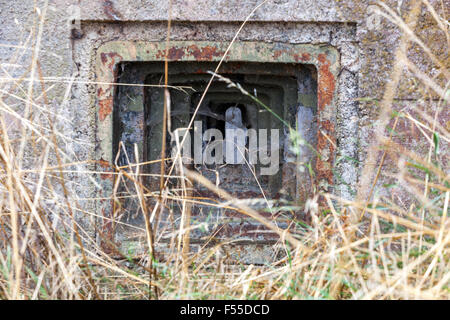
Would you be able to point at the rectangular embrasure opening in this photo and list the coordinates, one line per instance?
(272, 114)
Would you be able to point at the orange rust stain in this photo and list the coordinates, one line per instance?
(327, 85)
(106, 167)
(100, 92)
(103, 163)
(328, 126)
(110, 59)
(107, 232)
(104, 58)
(324, 172)
(105, 108)
(107, 223)
(297, 57)
(204, 53)
(322, 142)
(278, 53)
(327, 82)
(324, 167)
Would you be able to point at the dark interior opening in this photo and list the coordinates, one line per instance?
(138, 110)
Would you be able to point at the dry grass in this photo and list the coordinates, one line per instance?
(391, 242)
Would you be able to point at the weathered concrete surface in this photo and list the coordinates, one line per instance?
(366, 56)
